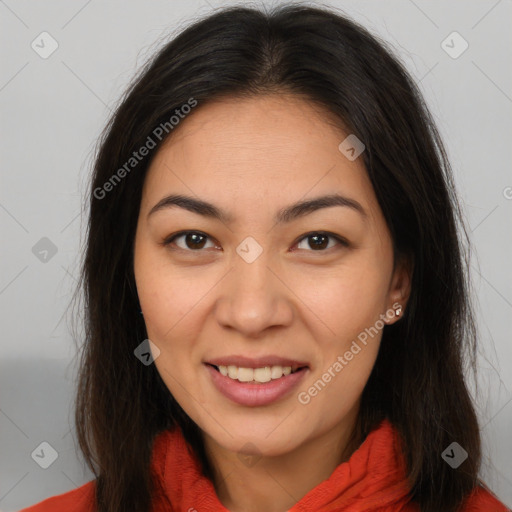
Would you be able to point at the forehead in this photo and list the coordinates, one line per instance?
(250, 151)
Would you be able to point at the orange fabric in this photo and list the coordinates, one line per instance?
(371, 480)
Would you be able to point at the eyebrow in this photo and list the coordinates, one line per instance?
(285, 215)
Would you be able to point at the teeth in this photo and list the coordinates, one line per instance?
(232, 372)
(265, 374)
(276, 372)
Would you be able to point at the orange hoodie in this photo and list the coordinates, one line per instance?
(372, 480)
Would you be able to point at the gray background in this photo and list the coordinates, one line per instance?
(52, 111)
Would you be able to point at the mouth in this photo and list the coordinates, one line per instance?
(257, 386)
(259, 374)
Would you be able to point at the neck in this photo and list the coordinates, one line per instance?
(276, 483)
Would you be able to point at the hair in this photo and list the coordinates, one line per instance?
(325, 58)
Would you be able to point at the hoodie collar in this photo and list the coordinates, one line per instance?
(372, 479)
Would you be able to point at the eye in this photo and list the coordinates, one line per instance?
(193, 240)
(318, 240)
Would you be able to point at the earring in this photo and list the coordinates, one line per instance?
(398, 311)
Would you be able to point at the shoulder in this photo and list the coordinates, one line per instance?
(81, 499)
(482, 500)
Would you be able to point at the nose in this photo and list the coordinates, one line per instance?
(253, 298)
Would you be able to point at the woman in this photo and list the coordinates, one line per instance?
(277, 307)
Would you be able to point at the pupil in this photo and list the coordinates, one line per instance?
(318, 245)
(195, 237)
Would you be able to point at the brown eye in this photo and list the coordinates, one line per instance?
(192, 240)
(319, 241)
(195, 241)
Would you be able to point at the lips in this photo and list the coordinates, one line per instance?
(255, 394)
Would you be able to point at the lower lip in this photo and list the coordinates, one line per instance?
(255, 394)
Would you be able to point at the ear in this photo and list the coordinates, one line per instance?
(400, 289)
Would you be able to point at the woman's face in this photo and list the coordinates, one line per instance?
(259, 278)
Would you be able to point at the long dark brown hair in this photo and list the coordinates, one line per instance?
(418, 379)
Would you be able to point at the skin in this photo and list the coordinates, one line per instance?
(252, 157)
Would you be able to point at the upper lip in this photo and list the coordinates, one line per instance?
(256, 362)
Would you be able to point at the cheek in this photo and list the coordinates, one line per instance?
(345, 362)
(169, 296)
(345, 300)
(171, 314)
(335, 391)
(172, 309)
(347, 304)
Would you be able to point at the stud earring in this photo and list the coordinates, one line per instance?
(398, 311)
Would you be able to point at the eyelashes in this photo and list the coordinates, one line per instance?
(312, 239)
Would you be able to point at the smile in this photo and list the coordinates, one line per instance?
(254, 387)
(263, 374)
